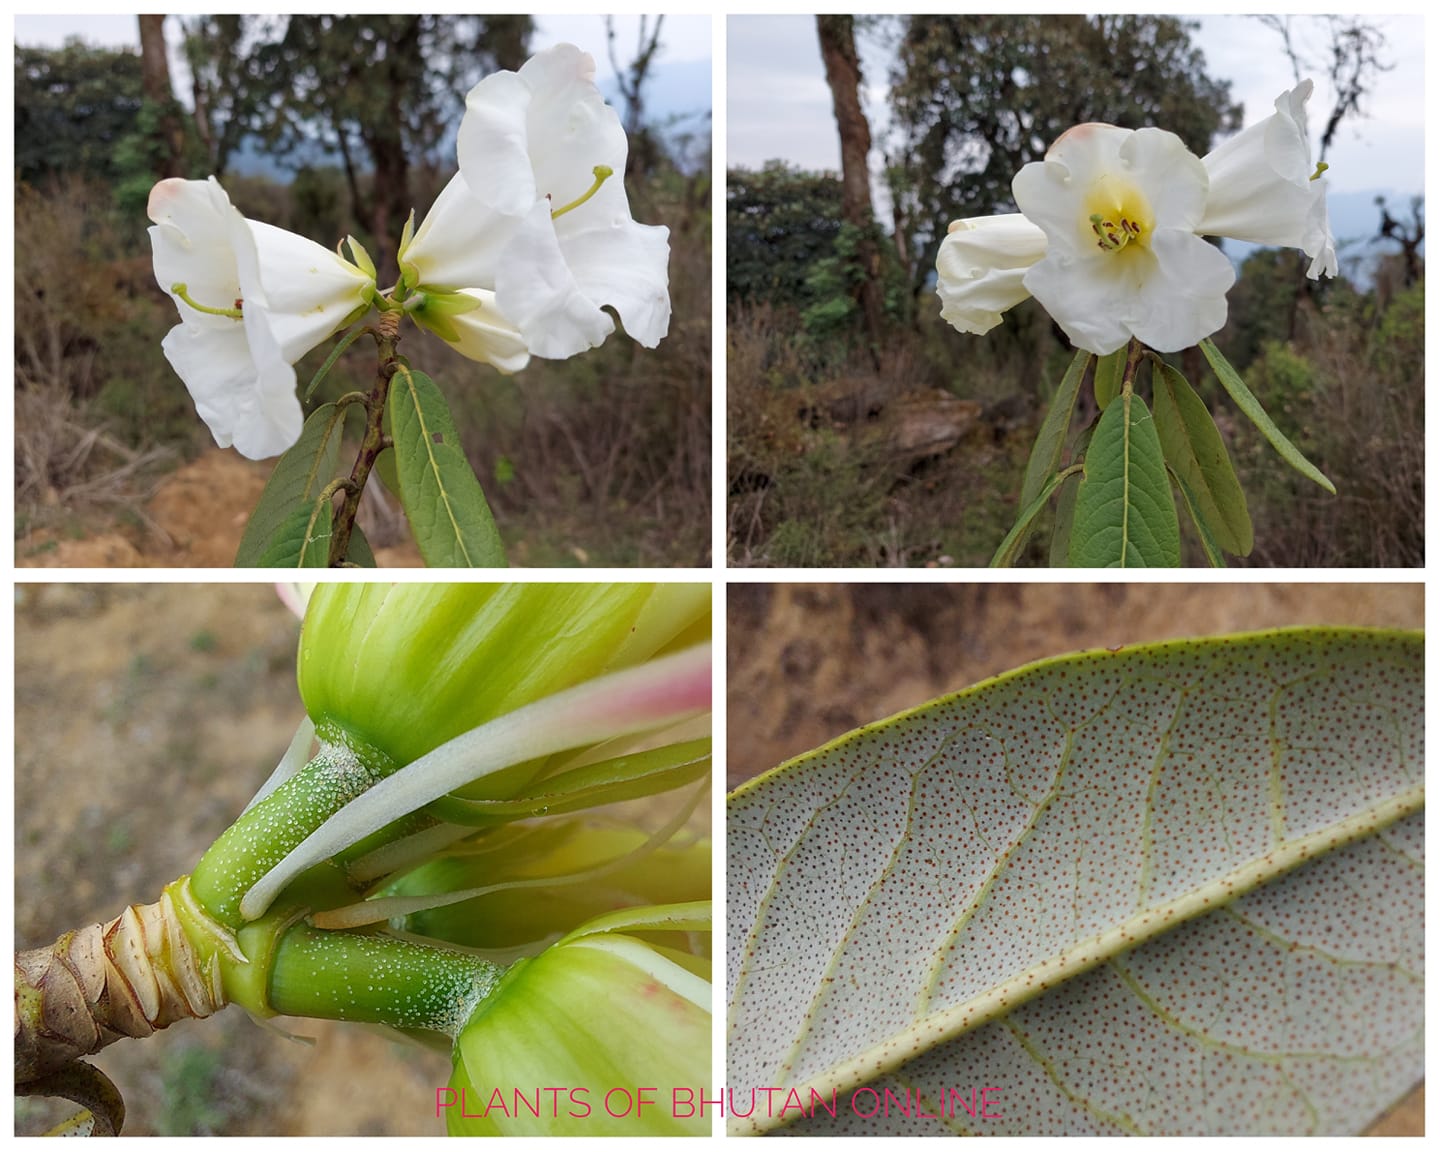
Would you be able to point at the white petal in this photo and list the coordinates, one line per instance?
(1169, 176)
(539, 132)
(242, 383)
(1051, 193)
(494, 145)
(458, 244)
(625, 265)
(571, 128)
(1261, 189)
(191, 245)
(1090, 296)
(1317, 241)
(252, 407)
(981, 269)
(487, 336)
(537, 292)
(309, 290)
(1184, 300)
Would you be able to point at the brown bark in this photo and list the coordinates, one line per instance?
(155, 83)
(384, 140)
(842, 73)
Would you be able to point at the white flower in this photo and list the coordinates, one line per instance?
(1120, 209)
(538, 214)
(241, 331)
(1121, 213)
(982, 265)
(1264, 187)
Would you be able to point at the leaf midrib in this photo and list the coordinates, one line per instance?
(435, 467)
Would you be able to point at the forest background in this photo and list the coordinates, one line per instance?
(330, 126)
(864, 431)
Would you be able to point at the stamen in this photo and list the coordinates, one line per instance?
(183, 292)
(1111, 237)
(602, 173)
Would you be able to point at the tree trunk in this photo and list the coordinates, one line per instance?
(155, 83)
(842, 73)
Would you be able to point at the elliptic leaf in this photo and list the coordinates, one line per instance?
(1109, 376)
(1246, 402)
(1124, 513)
(303, 540)
(1050, 441)
(1015, 539)
(1106, 885)
(438, 489)
(1065, 508)
(1193, 448)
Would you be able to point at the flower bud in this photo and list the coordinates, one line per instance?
(620, 1027)
(405, 668)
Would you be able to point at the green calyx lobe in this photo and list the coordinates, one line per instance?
(436, 311)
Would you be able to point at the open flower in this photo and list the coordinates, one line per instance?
(1264, 186)
(538, 215)
(1120, 209)
(242, 329)
(1115, 250)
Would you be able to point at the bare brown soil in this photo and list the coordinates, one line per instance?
(194, 519)
(145, 717)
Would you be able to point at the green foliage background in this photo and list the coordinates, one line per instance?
(816, 480)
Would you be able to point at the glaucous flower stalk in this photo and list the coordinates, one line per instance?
(1115, 250)
(536, 224)
(253, 299)
(474, 690)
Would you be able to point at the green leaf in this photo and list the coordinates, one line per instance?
(1015, 539)
(1194, 449)
(1110, 376)
(303, 541)
(335, 354)
(1050, 442)
(299, 476)
(384, 468)
(1247, 403)
(360, 551)
(1214, 556)
(1107, 884)
(1124, 513)
(452, 522)
(1065, 508)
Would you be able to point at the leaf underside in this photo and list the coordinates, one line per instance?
(1175, 889)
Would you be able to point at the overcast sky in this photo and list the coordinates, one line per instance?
(684, 39)
(779, 106)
